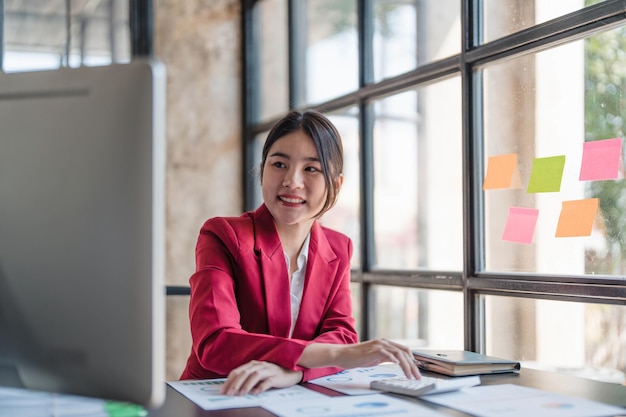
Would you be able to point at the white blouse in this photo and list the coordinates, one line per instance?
(297, 281)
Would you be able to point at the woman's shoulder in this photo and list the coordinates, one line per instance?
(339, 242)
(228, 222)
(333, 234)
(243, 224)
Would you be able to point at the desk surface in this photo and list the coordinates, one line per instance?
(176, 405)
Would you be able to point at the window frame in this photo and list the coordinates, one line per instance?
(472, 281)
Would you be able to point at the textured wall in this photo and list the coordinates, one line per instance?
(200, 44)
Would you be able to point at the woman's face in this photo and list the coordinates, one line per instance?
(292, 180)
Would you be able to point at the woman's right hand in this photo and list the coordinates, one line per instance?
(369, 353)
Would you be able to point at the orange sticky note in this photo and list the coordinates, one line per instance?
(576, 218)
(601, 159)
(502, 172)
(520, 225)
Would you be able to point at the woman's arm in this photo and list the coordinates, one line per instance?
(362, 354)
(255, 377)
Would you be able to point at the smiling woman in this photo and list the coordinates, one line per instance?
(300, 183)
(270, 299)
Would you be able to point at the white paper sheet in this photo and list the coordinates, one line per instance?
(353, 406)
(508, 400)
(357, 381)
(206, 394)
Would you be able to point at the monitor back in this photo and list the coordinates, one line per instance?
(82, 166)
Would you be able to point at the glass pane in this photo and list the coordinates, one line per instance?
(331, 61)
(409, 33)
(35, 36)
(355, 288)
(504, 17)
(418, 318)
(587, 340)
(418, 221)
(550, 216)
(273, 53)
(345, 215)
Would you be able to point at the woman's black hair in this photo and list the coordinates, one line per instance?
(327, 142)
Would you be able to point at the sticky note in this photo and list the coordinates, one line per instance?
(576, 218)
(546, 174)
(601, 160)
(520, 225)
(502, 172)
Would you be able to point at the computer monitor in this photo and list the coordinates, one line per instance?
(82, 167)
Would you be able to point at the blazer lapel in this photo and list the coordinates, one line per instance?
(321, 267)
(273, 273)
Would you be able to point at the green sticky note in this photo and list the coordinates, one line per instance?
(122, 409)
(546, 175)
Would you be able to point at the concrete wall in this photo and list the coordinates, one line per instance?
(200, 44)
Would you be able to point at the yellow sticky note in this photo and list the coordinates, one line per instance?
(576, 218)
(502, 172)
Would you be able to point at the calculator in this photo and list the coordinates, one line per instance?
(424, 386)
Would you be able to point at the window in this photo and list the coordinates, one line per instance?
(37, 37)
(536, 114)
(417, 173)
(484, 146)
(273, 58)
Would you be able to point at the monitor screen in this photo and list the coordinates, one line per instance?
(82, 167)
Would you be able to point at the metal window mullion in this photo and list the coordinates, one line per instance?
(141, 27)
(475, 217)
(249, 98)
(297, 32)
(473, 248)
(368, 252)
(365, 28)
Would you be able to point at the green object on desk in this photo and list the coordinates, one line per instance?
(121, 409)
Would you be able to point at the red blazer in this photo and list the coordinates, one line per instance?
(240, 305)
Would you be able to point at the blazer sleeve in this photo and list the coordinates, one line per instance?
(219, 344)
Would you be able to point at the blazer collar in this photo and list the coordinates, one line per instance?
(266, 238)
(274, 273)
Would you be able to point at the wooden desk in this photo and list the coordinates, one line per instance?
(176, 405)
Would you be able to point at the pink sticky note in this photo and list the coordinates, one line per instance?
(601, 160)
(520, 225)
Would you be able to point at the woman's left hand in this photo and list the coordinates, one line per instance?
(256, 377)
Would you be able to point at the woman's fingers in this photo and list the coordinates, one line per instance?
(374, 352)
(407, 361)
(256, 377)
(243, 379)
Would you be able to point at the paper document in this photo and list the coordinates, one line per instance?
(508, 400)
(206, 394)
(353, 406)
(357, 381)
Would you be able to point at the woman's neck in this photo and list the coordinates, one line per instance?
(292, 237)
